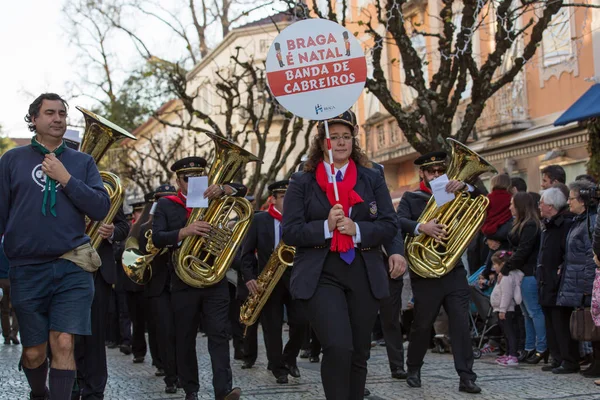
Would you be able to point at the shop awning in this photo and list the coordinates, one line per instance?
(587, 106)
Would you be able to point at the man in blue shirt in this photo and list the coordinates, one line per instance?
(46, 190)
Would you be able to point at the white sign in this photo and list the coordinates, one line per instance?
(316, 69)
(197, 185)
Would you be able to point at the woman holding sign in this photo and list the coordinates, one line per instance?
(339, 271)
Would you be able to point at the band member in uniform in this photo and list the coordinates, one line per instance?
(52, 295)
(158, 291)
(90, 351)
(190, 304)
(339, 271)
(451, 290)
(262, 239)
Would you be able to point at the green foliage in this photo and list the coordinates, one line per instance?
(593, 165)
(6, 144)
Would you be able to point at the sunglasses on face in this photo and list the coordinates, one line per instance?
(186, 178)
(433, 170)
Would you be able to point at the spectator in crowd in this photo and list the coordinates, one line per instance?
(517, 185)
(563, 188)
(551, 175)
(9, 330)
(497, 222)
(579, 270)
(524, 240)
(557, 220)
(585, 177)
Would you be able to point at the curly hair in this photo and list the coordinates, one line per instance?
(315, 152)
(34, 108)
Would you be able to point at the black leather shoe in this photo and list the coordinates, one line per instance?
(293, 369)
(467, 385)
(234, 394)
(125, 349)
(561, 369)
(238, 355)
(111, 345)
(138, 360)
(282, 379)
(549, 368)
(413, 378)
(367, 393)
(314, 359)
(399, 373)
(15, 340)
(191, 396)
(537, 357)
(6, 340)
(160, 372)
(171, 389)
(247, 365)
(523, 355)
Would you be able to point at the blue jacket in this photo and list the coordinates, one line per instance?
(579, 271)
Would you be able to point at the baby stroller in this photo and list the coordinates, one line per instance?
(487, 319)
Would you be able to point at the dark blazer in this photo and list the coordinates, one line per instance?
(410, 209)
(306, 209)
(160, 266)
(525, 246)
(169, 218)
(258, 246)
(108, 270)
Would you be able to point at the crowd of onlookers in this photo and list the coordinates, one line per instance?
(541, 268)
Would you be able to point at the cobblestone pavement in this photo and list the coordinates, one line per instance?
(128, 381)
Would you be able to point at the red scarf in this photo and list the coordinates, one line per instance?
(498, 211)
(273, 212)
(423, 187)
(348, 198)
(180, 199)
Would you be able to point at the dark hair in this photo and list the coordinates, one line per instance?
(34, 108)
(501, 182)
(315, 152)
(501, 256)
(585, 177)
(586, 187)
(563, 188)
(555, 173)
(526, 211)
(518, 183)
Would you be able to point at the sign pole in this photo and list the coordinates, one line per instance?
(330, 152)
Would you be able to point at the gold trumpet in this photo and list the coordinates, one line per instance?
(203, 261)
(137, 265)
(99, 135)
(282, 257)
(463, 216)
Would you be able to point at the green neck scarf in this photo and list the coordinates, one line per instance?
(50, 187)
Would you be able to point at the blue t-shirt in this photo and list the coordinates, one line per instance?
(31, 237)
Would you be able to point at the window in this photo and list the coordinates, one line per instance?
(264, 45)
(394, 133)
(339, 9)
(323, 6)
(203, 101)
(556, 43)
(371, 102)
(380, 137)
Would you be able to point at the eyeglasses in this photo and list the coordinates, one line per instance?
(186, 178)
(434, 170)
(346, 138)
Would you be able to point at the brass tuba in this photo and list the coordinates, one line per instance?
(98, 136)
(462, 216)
(203, 261)
(282, 257)
(136, 264)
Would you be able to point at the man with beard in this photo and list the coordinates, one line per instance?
(450, 291)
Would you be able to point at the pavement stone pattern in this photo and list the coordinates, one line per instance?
(128, 381)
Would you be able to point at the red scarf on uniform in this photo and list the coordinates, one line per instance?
(180, 199)
(348, 198)
(498, 211)
(273, 212)
(423, 187)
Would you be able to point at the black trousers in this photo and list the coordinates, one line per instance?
(389, 313)
(165, 334)
(342, 312)
(237, 330)
(124, 318)
(509, 329)
(451, 291)
(271, 319)
(136, 304)
(90, 351)
(250, 343)
(563, 348)
(152, 326)
(212, 306)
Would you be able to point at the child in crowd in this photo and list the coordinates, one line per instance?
(505, 296)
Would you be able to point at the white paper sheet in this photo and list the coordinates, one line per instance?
(438, 187)
(197, 185)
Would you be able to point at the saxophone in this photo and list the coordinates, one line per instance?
(282, 257)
